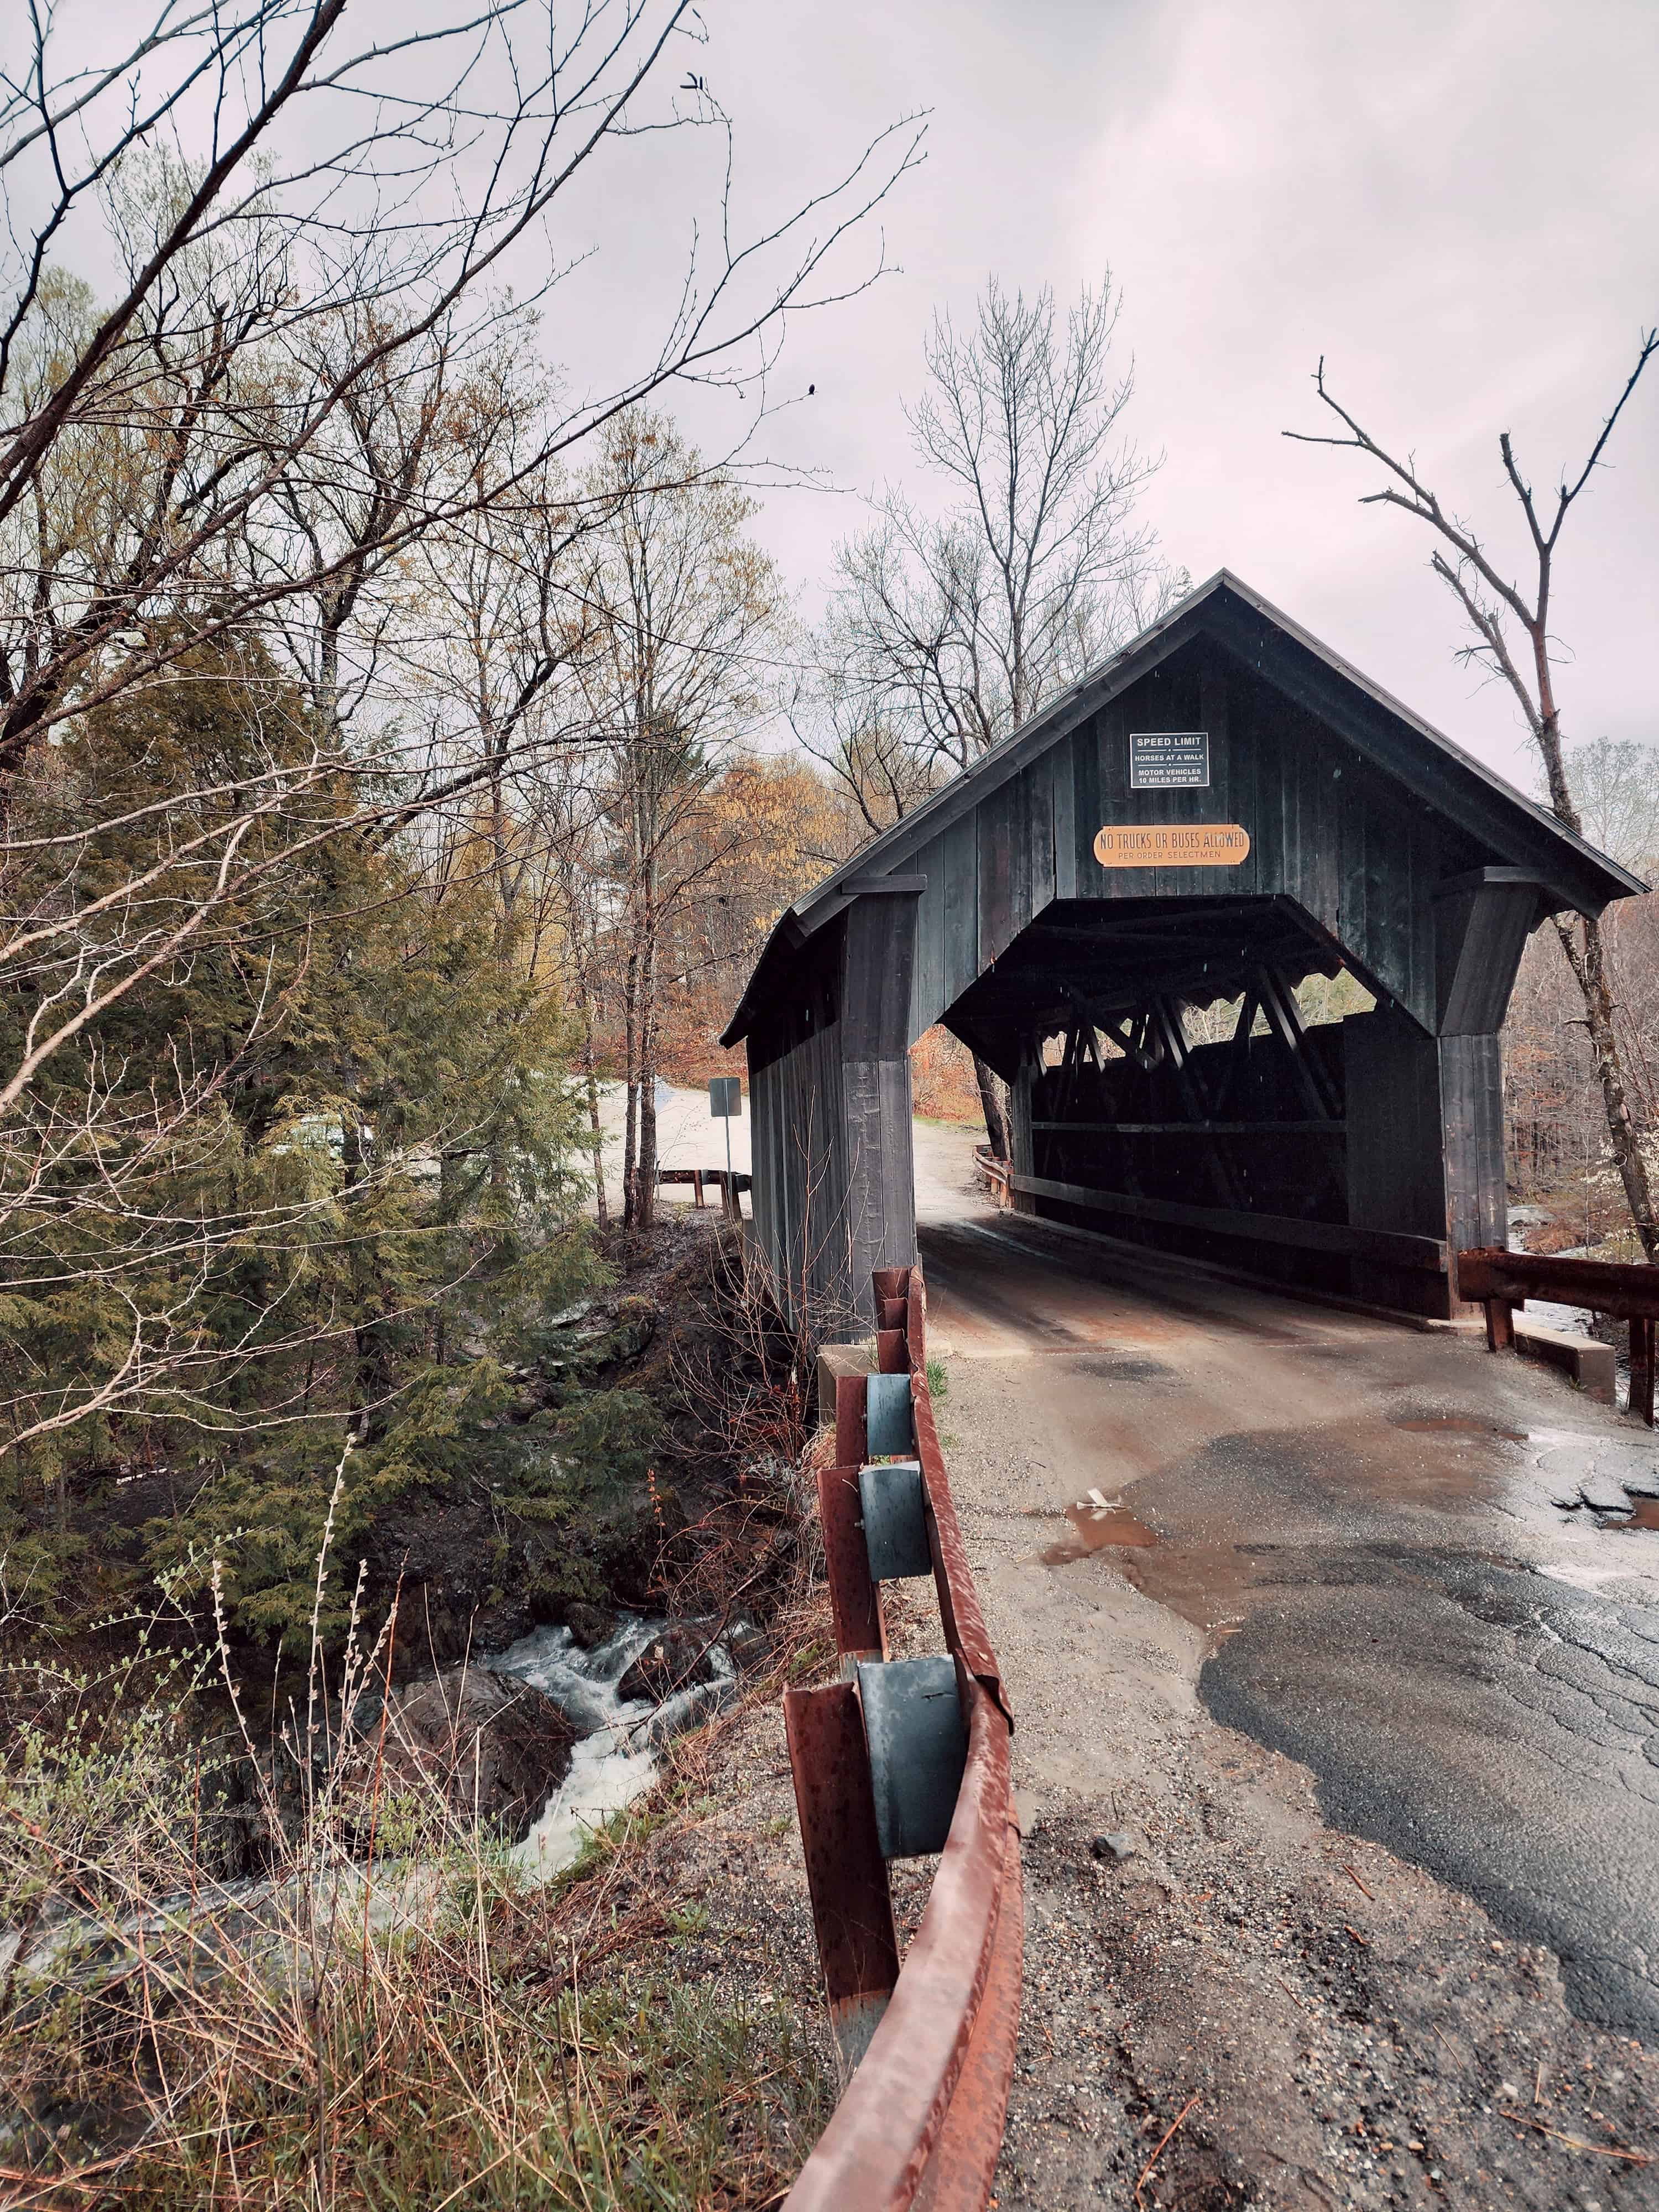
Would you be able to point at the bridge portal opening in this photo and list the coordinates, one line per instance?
(1202, 1074)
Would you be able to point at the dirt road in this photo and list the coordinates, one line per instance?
(1376, 1719)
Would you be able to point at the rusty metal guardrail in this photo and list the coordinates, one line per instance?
(898, 1759)
(1502, 1281)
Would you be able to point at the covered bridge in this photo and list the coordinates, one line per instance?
(1219, 812)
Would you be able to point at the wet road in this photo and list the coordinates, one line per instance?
(1369, 1551)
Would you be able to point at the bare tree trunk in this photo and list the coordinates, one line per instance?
(1489, 601)
(631, 1078)
(1587, 960)
(597, 1142)
(993, 1098)
(647, 1198)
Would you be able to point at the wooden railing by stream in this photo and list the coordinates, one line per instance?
(1501, 1281)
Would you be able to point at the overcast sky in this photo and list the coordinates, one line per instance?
(1454, 200)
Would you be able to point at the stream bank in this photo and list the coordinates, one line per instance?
(263, 1981)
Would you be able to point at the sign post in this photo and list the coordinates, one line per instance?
(726, 1100)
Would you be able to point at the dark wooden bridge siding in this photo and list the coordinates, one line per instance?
(829, 1090)
(1325, 829)
(1358, 1157)
(798, 1187)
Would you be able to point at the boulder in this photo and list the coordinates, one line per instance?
(672, 1660)
(481, 1740)
(589, 1625)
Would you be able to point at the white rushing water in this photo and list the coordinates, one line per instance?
(614, 1763)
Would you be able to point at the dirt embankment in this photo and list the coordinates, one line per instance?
(679, 1533)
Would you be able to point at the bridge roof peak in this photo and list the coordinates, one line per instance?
(1242, 633)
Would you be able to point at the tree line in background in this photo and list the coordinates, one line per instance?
(389, 741)
(372, 727)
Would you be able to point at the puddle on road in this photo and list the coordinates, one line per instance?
(1213, 1586)
(1204, 1583)
(1461, 1424)
(1645, 1514)
(1118, 1367)
(1097, 1524)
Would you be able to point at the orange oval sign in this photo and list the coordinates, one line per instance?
(1172, 845)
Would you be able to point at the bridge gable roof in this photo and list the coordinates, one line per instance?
(1465, 795)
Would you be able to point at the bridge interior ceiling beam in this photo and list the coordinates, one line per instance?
(1120, 963)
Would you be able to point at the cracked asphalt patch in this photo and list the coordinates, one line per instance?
(1499, 1729)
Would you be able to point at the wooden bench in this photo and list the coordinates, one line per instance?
(698, 1177)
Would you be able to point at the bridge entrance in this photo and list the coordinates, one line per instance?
(1238, 930)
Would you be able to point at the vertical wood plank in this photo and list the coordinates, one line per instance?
(1091, 877)
(961, 917)
(996, 833)
(928, 996)
(1064, 799)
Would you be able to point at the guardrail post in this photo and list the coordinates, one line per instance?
(846, 1874)
(853, 1599)
(1641, 1369)
(850, 1435)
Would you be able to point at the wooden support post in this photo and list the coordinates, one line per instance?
(846, 1874)
(1500, 1325)
(1641, 1334)
(873, 1046)
(1193, 1104)
(697, 1189)
(1238, 1051)
(1284, 1017)
(1480, 926)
